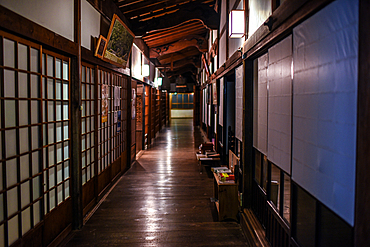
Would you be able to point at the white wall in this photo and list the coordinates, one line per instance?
(222, 49)
(325, 54)
(90, 24)
(188, 113)
(259, 11)
(222, 39)
(54, 15)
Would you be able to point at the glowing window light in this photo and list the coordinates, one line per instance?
(236, 23)
(146, 70)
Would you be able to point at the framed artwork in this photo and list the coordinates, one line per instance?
(133, 103)
(119, 43)
(104, 100)
(99, 51)
(214, 93)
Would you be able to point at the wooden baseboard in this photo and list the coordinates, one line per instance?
(59, 240)
(253, 230)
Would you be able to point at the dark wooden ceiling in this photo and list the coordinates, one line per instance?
(175, 31)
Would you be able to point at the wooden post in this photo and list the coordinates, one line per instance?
(76, 180)
(129, 136)
(247, 133)
(362, 210)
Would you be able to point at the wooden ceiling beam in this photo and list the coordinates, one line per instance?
(182, 71)
(176, 57)
(170, 38)
(194, 61)
(196, 41)
(173, 57)
(160, 12)
(124, 3)
(191, 11)
(179, 29)
(148, 6)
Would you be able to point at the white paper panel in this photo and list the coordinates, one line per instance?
(221, 107)
(26, 220)
(279, 103)
(1, 185)
(1, 203)
(239, 102)
(260, 106)
(36, 213)
(11, 172)
(55, 15)
(12, 201)
(325, 106)
(24, 144)
(13, 229)
(25, 194)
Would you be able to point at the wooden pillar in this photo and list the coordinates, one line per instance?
(129, 131)
(227, 10)
(75, 91)
(362, 210)
(247, 133)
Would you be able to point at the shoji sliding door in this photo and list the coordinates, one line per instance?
(34, 141)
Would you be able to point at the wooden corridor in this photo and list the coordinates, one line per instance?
(162, 200)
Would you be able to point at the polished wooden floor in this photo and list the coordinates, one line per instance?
(162, 200)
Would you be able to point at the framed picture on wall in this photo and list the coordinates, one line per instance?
(214, 93)
(119, 43)
(104, 101)
(99, 51)
(133, 104)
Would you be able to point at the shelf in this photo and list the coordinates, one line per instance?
(226, 194)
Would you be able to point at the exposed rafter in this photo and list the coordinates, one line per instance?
(190, 11)
(195, 61)
(183, 54)
(175, 32)
(191, 41)
(185, 71)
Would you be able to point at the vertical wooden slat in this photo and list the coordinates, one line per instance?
(41, 154)
(362, 210)
(3, 143)
(18, 140)
(226, 12)
(29, 174)
(96, 133)
(76, 181)
(247, 135)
